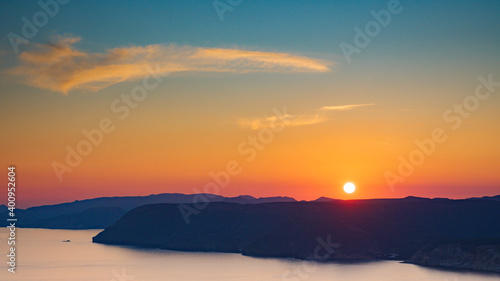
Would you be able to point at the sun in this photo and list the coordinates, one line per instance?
(349, 187)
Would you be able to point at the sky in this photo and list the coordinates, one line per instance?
(265, 98)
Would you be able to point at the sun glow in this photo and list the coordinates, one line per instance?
(349, 187)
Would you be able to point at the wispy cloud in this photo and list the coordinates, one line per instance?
(344, 107)
(298, 120)
(292, 121)
(60, 67)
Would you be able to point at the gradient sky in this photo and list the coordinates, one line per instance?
(221, 81)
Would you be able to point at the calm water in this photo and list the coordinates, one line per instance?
(43, 256)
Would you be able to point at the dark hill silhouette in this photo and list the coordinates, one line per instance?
(73, 215)
(325, 199)
(496, 198)
(68, 213)
(364, 229)
(93, 218)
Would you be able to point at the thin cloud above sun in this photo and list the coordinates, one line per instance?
(345, 107)
(292, 121)
(301, 119)
(58, 66)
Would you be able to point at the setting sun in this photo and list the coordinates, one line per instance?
(349, 187)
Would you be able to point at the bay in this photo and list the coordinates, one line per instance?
(41, 254)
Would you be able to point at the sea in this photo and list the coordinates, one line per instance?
(41, 254)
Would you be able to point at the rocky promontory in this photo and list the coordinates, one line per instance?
(478, 255)
(398, 229)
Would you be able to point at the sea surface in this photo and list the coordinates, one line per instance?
(41, 255)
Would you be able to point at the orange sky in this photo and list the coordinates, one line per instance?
(173, 139)
(179, 101)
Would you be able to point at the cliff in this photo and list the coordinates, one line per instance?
(481, 255)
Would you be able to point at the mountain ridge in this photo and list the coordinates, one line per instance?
(46, 216)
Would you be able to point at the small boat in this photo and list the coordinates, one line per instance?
(67, 241)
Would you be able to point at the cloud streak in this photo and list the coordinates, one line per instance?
(299, 120)
(60, 67)
(344, 107)
(292, 121)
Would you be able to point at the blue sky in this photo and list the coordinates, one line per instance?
(303, 26)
